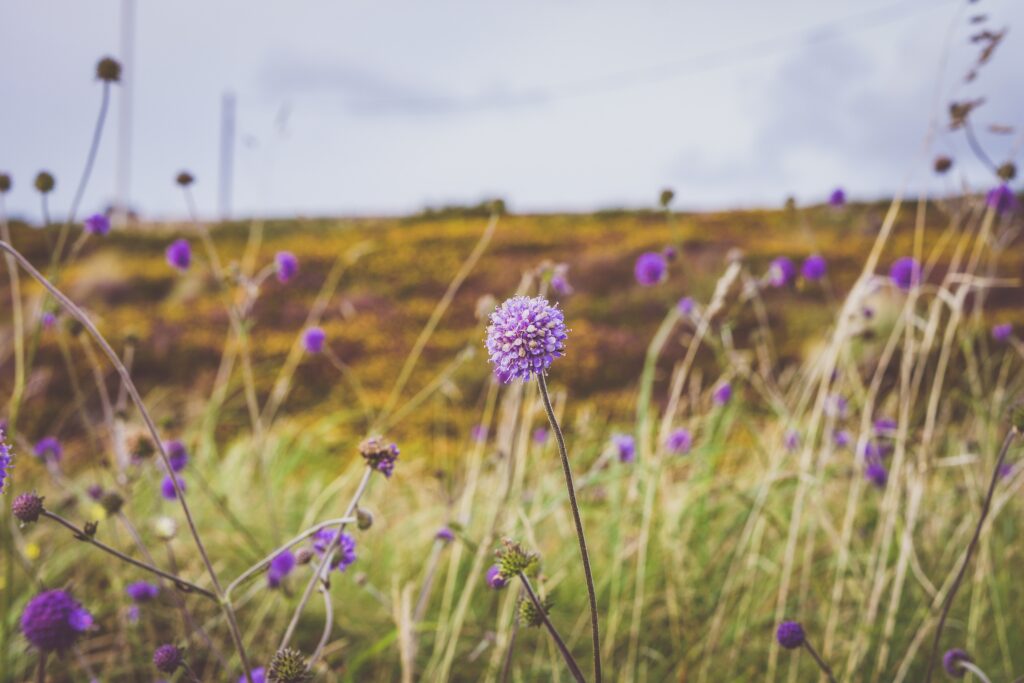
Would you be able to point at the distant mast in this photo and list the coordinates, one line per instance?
(227, 153)
(124, 128)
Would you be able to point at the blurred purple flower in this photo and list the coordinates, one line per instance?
(679, 442)
(494, 579)
(1002, 199)
(876, 474)
(94, 491)
(781, 272)
(48, 320)
(478, 433)
(886, 426)
(951, 662)
(790, 635)
(814, 267)
(259, 675)
(280, 567)
(167, 487)
(792, 440)
(142, 591)
(540, 435)
(177, 454)
(445, 534)
(1002, 333)
(836, 406)
(1005, 470)
(838, 197)
(287, 266)
(670, 252)
(6, 457)
(344, 555)
(686, 306)
(625, 446)
(560, 285)
(313, 339)
(722, 394)
(650, 268)
(97, 224)
(841, 438)
(905, 273)
(524, 337)
(179, 254)
(48, 448)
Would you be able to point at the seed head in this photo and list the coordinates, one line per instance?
(942, 164)
(790, 635)
(525, 336)
(513, 559)
(108, 70)
(167, 658)
(666, 197)
(1007, 171)
(5, 183)
(45, 182)
(184, 179)
(27, 507)
(289, 666)
(530, 615)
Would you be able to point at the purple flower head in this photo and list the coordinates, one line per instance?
(379, 454)
(345, 547)
(494, 578)
(625, 446)
(650, 268)
(905, 273)
(177, 454)
(287, 266)
(6, 457)
(167, 658)
(540, 435)
(179, 255)
(1002, 333)
(951, 662)
(814, 267)
(48, 320)
(259, 675)
(781, 272)
(445, 534)
(53, 621)
(97, 224)
(679, 442)
(841, 438)
(838, 197)
(686, 306)
(48, 448)
(1002, 199)
(791, 440)
(280, 567)
(875, 473)
(560, 285)
(525, 336)
(167, 487)
(790, 635)
(313, 339)
(478, 433)
(722, 394)
(94, 491)
(142, 591)
(886, 426)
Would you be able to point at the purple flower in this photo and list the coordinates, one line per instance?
(1002, 333)
(790, 635)
(838, 197)
(722, 394)
(679, 442)
(625, 446)
(48, 448)
(142, 591)
(876, 474)
(48, 320)
(650, 268)
(5, 461)
(841, 438)
(53, 621)
(686, 306)
(525, 336)
(287, 266)
(886, 426)
(1002, 199)
(167, 487)
(478, 433)
(792, 440)
(814, 267)
(133, 614)
(560, 285)
(167, 658)
(379, 454)
(179, 255)
(313, 339)
(951, 662)
(494, 578)
(280, 567)
(445, 534)
(258, 676)
(177, 454)
(905, 273)
(97, 224)
(1005, 470)
(836, 406)
(345, 552)
(540, 435)
(781, 272)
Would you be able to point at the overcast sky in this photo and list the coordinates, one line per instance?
(385, 107)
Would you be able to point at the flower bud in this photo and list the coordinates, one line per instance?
(364, 519)
(5, 183)
(184, 179)
(108, 70)
(27, 507)
(289, 666)
(45, 182)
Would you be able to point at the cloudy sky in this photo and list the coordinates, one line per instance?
(385, 107)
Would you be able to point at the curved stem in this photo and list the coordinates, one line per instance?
(591, 593)
(1010, 435)
(825, 668)
(974, 669)
(574, 668)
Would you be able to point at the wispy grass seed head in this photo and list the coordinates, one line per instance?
(525, 336)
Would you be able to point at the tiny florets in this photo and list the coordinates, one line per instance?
(814, 267)
(876, 473)
(445, 534)
(679, 442)
(167, 489)
(1002, 333)
(951, 662)
(790, 635)
(344, 555)
(27, 507)
(280, 567)
(530, 615)
(781, 272)
(379, 454)
(625, 446)
(525, 336)
(176, 454)
(494, 578)
(167, 658)
(259, 675)
(722, 394)
(53, 621)
(179, 255)
(289, 666)
(48, 448)
(838, 197)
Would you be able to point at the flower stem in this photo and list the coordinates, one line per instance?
(948, 602)
(592, 595)
(562, 647)
(826, 669)
(974, 669)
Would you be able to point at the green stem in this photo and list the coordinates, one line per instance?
(570, 661)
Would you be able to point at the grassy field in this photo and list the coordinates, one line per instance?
(697, 556)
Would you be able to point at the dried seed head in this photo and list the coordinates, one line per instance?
(513, 558)
(379, 454)
(45, 182)
(112, 502)
(666, 197)
(140, 446)
(27, 507)
(364, 519)
(108, 70)
(289, 666)
(942, 164)
(1007, 171)
(184, 179)
(5, 182)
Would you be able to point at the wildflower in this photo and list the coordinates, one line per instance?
(1005, 470)
(142, 591)
(478, 433)
(133, 614)
(108, 70)
(179, 254)
(48, 320)
(905, 273)
(379, 455)
(97, 224)
(951, 662)
(942, 164)
(45, 182)
(792, 440)
(344, 556)
(625, 445)
(669, 252)
(53, 621)
(814, 267)
(95, 492)
(167, 487)
(781, 272)
(27, 507)
(1002, 333)
(48, 448)
(280, 567)
(176, 454)
(679, 442)
(560, 280)
(650, 268)
(287, 266)
(5, 462)
(525, 336)
(841, 438)
(722, 394)
(165, 527)
(289, 666)
(686, 306)
(790, 635)
(167, 658)
(313, 339)
(259, 675)
(836, 406)
(540, 435)
(876, 474)
(494, 577)
(838, 197)
(445, 534)
(1002, 199)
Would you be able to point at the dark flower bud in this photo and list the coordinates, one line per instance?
(108, 70)
(304, 555)
(364, 519)
(45, 182)
(140, 446)
(90, 529)
(790, 635)
(167, 658)
(1007, 171)
(184, 179)
(942, 164)
(5, 182)
(27, 507)
(666, 197)
(530, 615)
(112, 502)
(289, 666)
(513, 558)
